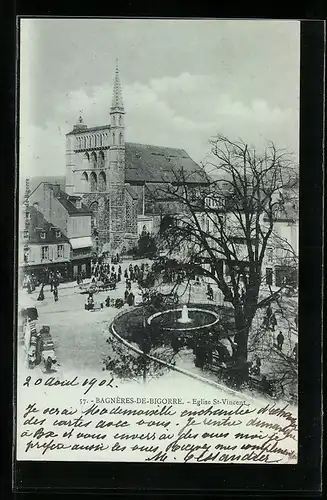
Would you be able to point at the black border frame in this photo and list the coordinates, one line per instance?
(55, 477)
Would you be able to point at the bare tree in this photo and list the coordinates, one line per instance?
(230, 222)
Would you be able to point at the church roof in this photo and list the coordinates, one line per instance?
(131, 191)
(147, 163)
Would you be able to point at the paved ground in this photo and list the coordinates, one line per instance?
(80, 335)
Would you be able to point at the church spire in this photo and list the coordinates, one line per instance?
(117, 98)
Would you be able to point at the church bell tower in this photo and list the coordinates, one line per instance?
(116, 177)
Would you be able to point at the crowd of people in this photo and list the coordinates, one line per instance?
(111, 274)
(48, 277)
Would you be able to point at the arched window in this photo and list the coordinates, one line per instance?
(113, 138)
(101, 159)
(94, 207)
(86, 160)
(120, 120)
(85, 182)
(93, 182)
(120, 138)
(114, 120)
(101, 139)
(93, 159)
(102, 181)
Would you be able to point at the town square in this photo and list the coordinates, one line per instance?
(148, 259)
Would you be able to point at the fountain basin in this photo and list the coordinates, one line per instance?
(170, 320)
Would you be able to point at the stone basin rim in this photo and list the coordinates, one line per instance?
(161, 313)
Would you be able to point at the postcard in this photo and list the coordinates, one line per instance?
(157, 312)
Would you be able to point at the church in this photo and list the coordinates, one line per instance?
(123, 183)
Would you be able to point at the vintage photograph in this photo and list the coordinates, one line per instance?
(158, 239)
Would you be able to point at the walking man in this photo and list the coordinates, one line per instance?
(280, 341)
(210, 292)
(273, 322)
(55, 292)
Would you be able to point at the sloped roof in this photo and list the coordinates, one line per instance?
(157, 191)
(131, 191)
(64, 199)
(37, 180)
(39, 224)
(147, 163)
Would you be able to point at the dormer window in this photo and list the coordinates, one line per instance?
(42, 235)
(58, 233)
(78, 204)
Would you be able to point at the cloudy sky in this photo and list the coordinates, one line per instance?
(183, 81)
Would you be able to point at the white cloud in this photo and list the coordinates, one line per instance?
(184, 112)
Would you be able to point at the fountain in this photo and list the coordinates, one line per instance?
(186, 320)
(185, 317)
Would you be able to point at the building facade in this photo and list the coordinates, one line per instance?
(73, 218)
(116, 179)
(43, 246)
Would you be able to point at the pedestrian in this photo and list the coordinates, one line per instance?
(131, 299)
(90, 301)
(280, 341)
(48, 364)
(126, 294)
(273, 322)
(29, 285)
(55, 293)
(256, 369)
(41, 293)
(210, 292)
(51, 281)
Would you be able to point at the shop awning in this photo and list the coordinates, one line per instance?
(85, 242)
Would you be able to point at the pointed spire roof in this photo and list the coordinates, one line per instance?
(117, 98)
